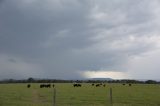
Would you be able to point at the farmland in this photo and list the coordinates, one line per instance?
(87, 95)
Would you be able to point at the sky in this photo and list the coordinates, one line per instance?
(72, 39)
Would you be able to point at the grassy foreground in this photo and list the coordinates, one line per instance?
(87, 95)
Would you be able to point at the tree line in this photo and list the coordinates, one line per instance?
(34, 80)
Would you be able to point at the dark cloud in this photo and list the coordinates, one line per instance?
(62, 39)
(25, 26)
(12, 60)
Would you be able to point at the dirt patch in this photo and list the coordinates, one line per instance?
(37, 98)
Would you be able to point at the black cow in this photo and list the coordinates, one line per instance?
(77, 85)
(45, 86)
(130, 84)
(28, 86)
(98, 85)
(53, 85)
(41, 86)
(48, 85)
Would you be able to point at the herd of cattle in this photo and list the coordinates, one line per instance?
(46, 86)
(43, 85)
(74, 85)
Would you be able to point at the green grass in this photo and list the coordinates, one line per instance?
(87, 95)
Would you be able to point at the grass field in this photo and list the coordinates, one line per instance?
(87, 95)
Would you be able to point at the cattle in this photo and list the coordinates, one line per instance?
(45, 86)
(123, 84)
(41, 86)
(130, 84)
(53, 85)
(98, 85)
(77, 85)
(92, 84)
(28, 86)
(48, 85)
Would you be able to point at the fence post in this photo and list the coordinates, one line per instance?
(111, 101)
(54, 97)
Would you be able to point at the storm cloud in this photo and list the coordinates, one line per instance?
(67, 39)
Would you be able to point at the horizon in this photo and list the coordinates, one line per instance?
(83, 79)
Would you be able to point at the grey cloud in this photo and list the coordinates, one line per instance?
(64, 38)
(12, 60)
(31, 24)
(15, 67)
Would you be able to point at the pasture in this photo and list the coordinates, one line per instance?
(87, 95)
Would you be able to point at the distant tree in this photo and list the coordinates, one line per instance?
(151, 82)
(30, 79)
